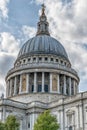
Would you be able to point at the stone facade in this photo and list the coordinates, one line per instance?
(71, 111)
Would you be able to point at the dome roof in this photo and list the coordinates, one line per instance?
(43, 44)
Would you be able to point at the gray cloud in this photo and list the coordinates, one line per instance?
(6, 62)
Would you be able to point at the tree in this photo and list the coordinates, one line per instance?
(11, 123)
(2, 126)
(46, 121)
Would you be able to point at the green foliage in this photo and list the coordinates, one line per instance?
(2, 126)
(11, 123)
(46, 121)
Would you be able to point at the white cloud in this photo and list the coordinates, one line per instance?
(9, 48)
(68, 23)
(28, 31)
(3, 8)
(8, 43)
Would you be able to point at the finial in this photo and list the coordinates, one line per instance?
(43, 9)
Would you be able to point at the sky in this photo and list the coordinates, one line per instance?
(67, 23)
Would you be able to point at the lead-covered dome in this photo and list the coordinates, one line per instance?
(43, 44)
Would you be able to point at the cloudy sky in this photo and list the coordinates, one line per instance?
(68, 24)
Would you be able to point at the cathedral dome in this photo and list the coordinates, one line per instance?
(43, 44)
(42, 66)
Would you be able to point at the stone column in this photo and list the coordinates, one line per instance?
(35, 82)
(4, 114)
(58, 84)
(7, 89)
(15, 86)
(64, 84)
(20, 86)
(10, 87)
(27, 83)
(42, 81)
(50, 82)
(74, 87)
(69, 86)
